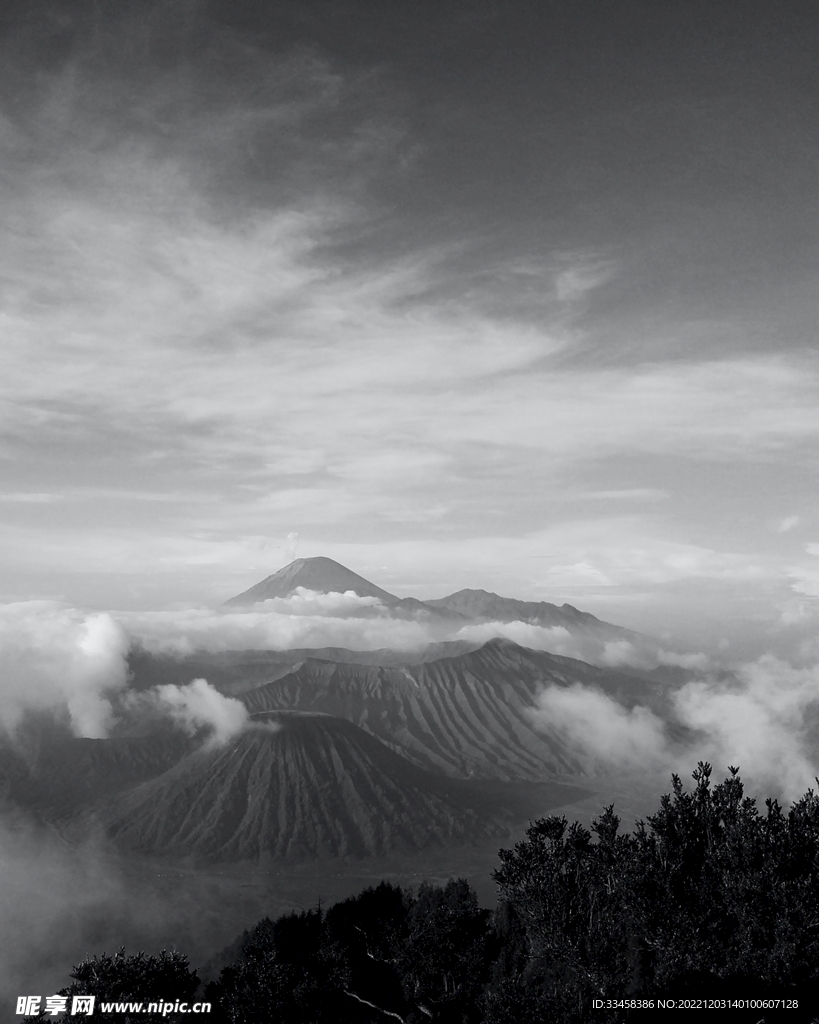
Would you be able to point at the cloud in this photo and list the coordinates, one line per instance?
(30, 497)
(693, 660)
(198, 706)
(309, 622)
(762, 720)
(72, 666)
(54, 902)
(647, 655)
(556, 639)
(577, 281)
(60, 660)
(608, 733)
(806, 580)
(307, 619)
(310, 619)
(579, 574)
(303, 386)
(643, 654)
(310, 602)
(625, 493)
(59, 902)
(763, 717)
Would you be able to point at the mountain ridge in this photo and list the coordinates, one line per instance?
(324, 575)
(486, 606)
(469, 715)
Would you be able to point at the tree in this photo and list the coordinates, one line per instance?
(707, 897)
(133, 978)
(386, 954)
(446, 957)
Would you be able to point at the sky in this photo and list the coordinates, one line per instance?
(518, 296)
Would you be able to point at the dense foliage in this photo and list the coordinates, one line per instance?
(133, 978)
(706, 898)
(387, 952)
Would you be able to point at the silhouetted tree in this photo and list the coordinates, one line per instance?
(707, 897)
(445, 960)
(133, 978)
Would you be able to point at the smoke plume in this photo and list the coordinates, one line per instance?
(195, 707)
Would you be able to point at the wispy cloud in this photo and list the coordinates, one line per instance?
(580, 278)
(30, 498)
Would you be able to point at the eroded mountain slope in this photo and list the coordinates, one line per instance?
(316, 787)
(468, 716)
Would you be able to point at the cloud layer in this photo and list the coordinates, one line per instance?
(311, 619)
(763, 717)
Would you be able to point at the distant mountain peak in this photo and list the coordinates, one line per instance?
(320, 574)
(483, 605)
(326, 576)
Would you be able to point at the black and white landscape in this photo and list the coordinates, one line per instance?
(408, 428)
(222, 785)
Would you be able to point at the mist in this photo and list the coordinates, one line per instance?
(60, 659)
(312, 619)
(762, 717)
(72, 664)
(308, 620)
(58, 903)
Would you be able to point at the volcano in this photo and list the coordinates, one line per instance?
(467, 716)
(321, 575)
(326, 576)
(311, 786)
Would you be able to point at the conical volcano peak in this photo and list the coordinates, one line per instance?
(320, 574)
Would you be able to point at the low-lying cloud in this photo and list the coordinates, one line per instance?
(59, 659)
(73, 666)
(603, 729)
(309, 620)
(764, 717)
(313, 602)
(623, 654)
